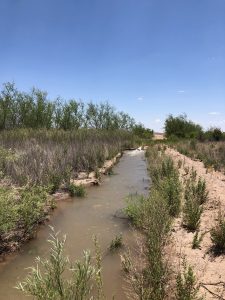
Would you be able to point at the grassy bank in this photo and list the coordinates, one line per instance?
(151, 275)
(211, 153)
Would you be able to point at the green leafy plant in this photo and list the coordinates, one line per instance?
(197, 239)
(55, 181)
(186, 288)
(116, 243)
(147, 214)
(31, 208)
(195, 195)
(218, 234)
(192, 212)
(171, 190)
(76, 190)
(47, 281)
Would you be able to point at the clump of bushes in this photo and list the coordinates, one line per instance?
(116, 243)
(135, 209)
(21, 210)
(51, 157)
(197, 239)
(149, 282)
(186, 288)
(55, 181)
(165, 177)
(212, 153)
(76, 190)
(218, 234)
(192, 212)
(195, 196)
(147, 213)
(171, 191)
(180, 127)
(48, 281)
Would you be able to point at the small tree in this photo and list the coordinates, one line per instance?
(46, 281)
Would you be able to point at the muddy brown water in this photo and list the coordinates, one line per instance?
(80, 219)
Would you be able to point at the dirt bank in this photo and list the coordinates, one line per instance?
(209, 269)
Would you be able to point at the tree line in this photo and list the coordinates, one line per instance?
(34, 110)
(181, 128)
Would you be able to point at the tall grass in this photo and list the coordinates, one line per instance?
(211, 153)
(50, 157)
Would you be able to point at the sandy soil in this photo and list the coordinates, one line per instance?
(158, 136)
(209, 269)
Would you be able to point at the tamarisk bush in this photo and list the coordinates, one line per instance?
(47, 281)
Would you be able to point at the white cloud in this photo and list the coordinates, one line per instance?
(157, 121)
(180, 91)
(214, 113)
(140, 98)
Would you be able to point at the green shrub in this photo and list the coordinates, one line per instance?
(47, 280)
(171, 190)
(192, 212)
(201, 192)
(23, 208)
(76, 190)
(148, 213)
(134, 209)
(55, 181)
(116, 243)
(8, 210)
(168, 167)
(180, 127)
(218, 235)
(31, 208)
(186, 284)
(195, 195)
(197, 240)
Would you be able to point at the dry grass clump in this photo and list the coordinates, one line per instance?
(211, 153)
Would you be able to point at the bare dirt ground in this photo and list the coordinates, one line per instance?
(209, 269)
(158, 136)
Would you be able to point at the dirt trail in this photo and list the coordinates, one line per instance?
(208, 268)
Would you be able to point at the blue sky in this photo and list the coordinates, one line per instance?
(149, 58)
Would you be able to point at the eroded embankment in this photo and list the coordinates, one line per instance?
(209, 268)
